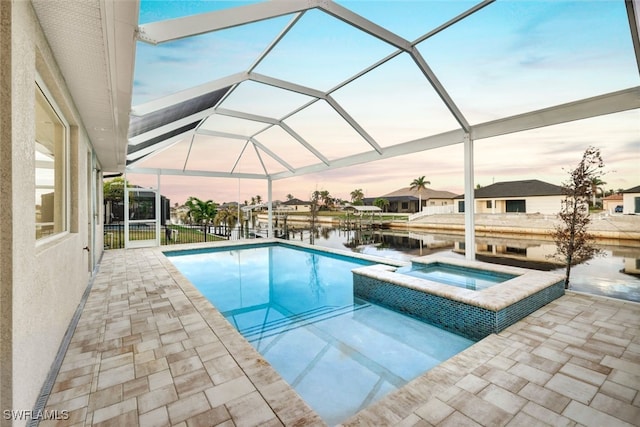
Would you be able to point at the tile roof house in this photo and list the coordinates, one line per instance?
(609, 203)
(296, 205)
(407, 200)
(526, 196)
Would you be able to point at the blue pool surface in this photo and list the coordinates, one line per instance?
(297, 308)
(462, 277)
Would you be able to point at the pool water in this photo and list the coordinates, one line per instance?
(297, 308)
(462, 277)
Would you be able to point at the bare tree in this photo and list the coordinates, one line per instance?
(574, 244)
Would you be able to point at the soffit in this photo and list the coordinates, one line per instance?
(93, 43)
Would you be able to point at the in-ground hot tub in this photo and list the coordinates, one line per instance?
(465, 277)
(456, 307)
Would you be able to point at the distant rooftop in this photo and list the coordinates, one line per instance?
(525, 188)
(635, 189)
(426, 193)
(295, 201)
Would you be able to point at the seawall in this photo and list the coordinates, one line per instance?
(603, 226)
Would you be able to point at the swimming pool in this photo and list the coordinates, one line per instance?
(467, 278)
(298, 309)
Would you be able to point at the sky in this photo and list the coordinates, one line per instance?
(509, 58)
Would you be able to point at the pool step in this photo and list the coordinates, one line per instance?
(278, 326)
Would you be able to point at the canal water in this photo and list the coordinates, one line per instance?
(614, 275)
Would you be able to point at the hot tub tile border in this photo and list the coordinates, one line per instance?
(458, 316)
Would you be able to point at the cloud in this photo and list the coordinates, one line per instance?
(168, 59)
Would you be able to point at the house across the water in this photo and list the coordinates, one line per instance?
(406, 200)
(527, 196)
(296, 205)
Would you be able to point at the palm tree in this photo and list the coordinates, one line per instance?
(419, 184)
(596, 184)
(356, 196)
(326, 198)
(227, 217)
(382, 203)
(201, 211)
(258, 199)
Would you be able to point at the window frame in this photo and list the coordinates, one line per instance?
(66, 164)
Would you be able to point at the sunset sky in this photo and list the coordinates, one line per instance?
(508, 58)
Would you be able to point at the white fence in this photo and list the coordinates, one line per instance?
(432, 210)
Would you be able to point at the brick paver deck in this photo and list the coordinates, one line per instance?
(149, 350)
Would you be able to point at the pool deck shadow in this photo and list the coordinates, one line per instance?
(150, 350)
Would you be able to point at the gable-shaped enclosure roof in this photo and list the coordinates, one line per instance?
(282, 88)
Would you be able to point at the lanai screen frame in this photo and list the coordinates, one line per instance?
(159, 124)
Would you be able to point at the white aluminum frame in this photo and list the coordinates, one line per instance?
(161, 32)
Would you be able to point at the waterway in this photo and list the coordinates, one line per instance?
(615, 274)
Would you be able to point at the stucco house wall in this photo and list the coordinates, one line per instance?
(546, 205)
(629, 203)
(296, 205)
(438, 202)
(631, 265)
(42, 280)
(300, 208)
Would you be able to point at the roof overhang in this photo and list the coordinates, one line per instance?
(93, 42)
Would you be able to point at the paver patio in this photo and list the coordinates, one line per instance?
(150, 350)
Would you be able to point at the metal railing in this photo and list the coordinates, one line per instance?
(114, 236)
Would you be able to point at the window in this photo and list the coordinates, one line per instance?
(489, 204)
(50, 169)
(517, 251)
(405, 205)
(516, 206)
